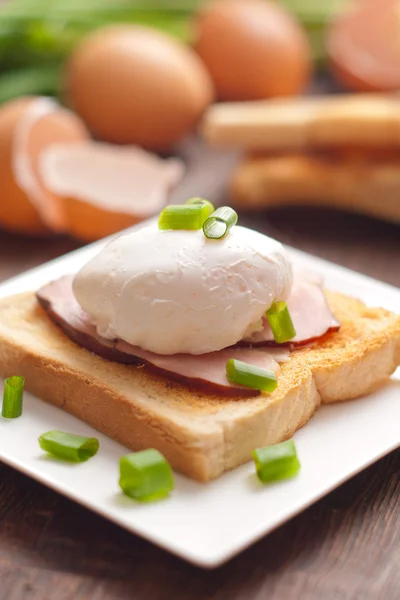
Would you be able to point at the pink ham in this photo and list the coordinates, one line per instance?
(310, 312)
(206, 371)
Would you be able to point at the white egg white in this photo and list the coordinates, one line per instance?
(175, 292)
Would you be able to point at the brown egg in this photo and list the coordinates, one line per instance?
(253, 49)
(28, 125)
(135, 85)
(363, 46)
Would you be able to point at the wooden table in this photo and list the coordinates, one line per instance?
(347, 546)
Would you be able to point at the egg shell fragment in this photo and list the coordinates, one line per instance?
(27, 126)
(105, 188)
(39, 132)
(17, 213)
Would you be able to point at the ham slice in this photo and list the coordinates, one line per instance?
(310, 312)
(204, 371)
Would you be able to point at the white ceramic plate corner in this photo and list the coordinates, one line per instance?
(208, 524)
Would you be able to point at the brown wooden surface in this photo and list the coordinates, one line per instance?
(347, 546)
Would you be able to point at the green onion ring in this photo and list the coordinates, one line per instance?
(68, 446)
(276, 462)
(12, 397)
(217, 225)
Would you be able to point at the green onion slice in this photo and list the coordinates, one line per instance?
(145, 475)
(219, 222)
(184, 216)
(203, 202)
(250, 375)
(12, 397)
(276, 462)
(281, 322)
(68, 446)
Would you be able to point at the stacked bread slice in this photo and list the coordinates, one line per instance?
(341, 150)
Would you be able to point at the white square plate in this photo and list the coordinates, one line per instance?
(209, 523)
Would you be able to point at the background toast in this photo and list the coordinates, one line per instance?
(353, 182)
(368, 121)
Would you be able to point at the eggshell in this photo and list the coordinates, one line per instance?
(105, 188)
(16, 212)
(41, 126)
(253, 49)
(132, 84)
(27, 125)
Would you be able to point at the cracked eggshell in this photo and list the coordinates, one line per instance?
(106, 188)
(28, 125)
(17, 213)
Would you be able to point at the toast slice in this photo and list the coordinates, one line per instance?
(201, 435)
(356, 182)
(368, 121)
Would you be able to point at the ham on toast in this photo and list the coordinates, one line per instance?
(201, 435)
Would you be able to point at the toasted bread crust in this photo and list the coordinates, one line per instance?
(200, 435)
(351, 182)
(304, 123)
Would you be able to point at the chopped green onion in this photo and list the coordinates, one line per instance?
(219, 222)
(12, 397)
(250, 375)
(145, 475)
(68, 446)
(281, 322)
(276, 462)
(202, 201)
(183, 216)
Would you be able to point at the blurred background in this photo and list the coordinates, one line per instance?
(111, 108)
(38, 36)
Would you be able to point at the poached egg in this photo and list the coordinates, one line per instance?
(176, 291)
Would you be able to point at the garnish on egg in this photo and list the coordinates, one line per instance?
(220, 222)
(199, 213)
(190, 215)
(281, 323)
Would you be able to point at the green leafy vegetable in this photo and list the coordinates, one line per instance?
(40, 34)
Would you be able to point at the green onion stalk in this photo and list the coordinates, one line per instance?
(13, 397)
(68, 446)
(37, 36)
(145, 476)
(276, 462)
(251, 376)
